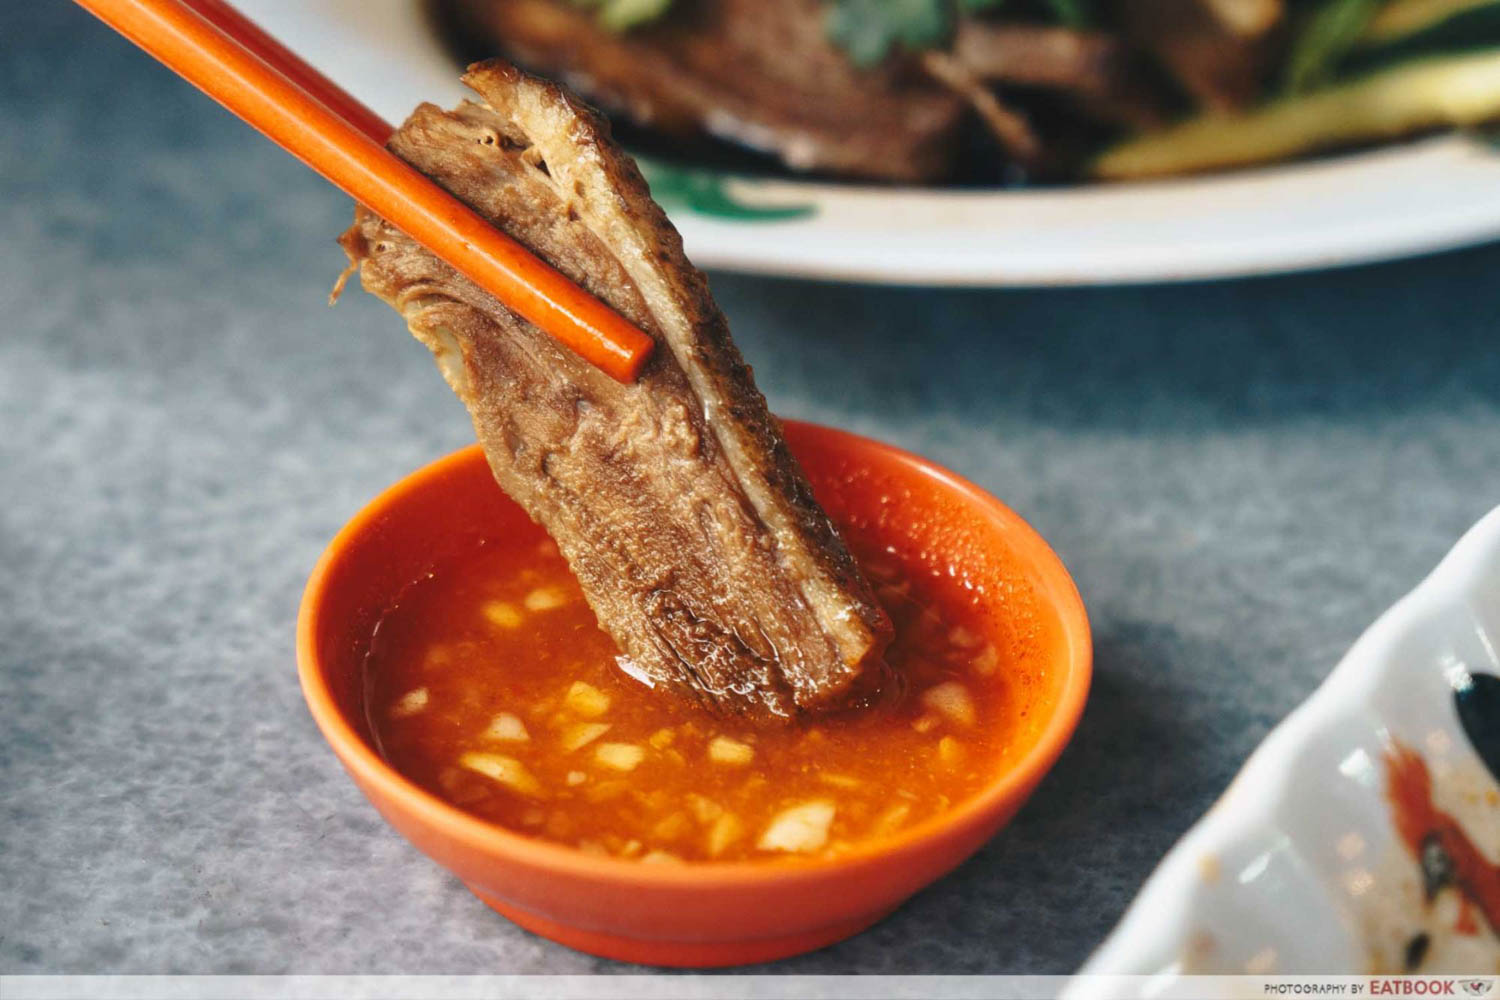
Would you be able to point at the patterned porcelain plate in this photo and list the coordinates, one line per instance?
(1389, 202)
(1363, 835)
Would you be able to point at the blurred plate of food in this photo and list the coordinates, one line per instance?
(1363, 836)
(995, 142)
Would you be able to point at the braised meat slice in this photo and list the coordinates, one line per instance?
(760, 73)
(1219, 50)
(674, 499)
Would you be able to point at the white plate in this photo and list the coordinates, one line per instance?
(1298, 867)
(1390, 202)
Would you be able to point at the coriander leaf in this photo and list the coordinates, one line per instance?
(1070, 13)
(867, 30)
(1327, 35)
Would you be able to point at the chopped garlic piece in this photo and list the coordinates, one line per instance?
(950, 751)
(586, 700)
(662, 738)
(723, 750)
(892, 818)
(839, 780)
(661, 858)
(671, 827)
(706, 809)
(409, 703)
(726, 830)
(985, 662)
(462, 791)
(800, 828)
(506, 770)
(577, 777)
(545, 599)
(654, 800)
(581, 734)
(952, 699)
(925, 724)
(620, 756)
(592, 847)
(606, 791)
(502, 613)
(962, 637)
(507, 727)
(437, 656)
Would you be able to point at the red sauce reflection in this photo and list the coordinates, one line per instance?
(1441, 847)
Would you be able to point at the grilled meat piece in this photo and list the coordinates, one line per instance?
(760, 73)
(674, 499)
(1105, 77)
(1219, 50)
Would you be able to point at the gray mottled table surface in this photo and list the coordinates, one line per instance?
(1241, 475)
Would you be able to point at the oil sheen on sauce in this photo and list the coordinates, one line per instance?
(491, 685)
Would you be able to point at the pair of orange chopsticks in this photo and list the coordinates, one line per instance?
(214, 47)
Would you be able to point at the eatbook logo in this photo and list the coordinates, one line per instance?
(1476, 987)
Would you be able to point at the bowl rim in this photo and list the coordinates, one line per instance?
(1011, 785)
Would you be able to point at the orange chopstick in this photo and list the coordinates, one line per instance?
(309, 117)
(228, 19)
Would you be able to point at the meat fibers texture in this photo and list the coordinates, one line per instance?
(675, 500)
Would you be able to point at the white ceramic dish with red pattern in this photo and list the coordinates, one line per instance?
(1363, 835)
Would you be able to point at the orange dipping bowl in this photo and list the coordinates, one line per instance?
(702, 913)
